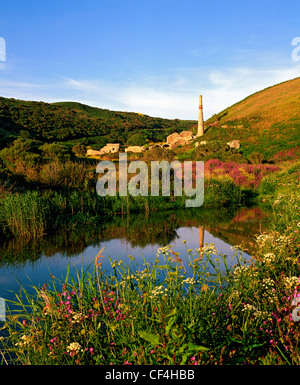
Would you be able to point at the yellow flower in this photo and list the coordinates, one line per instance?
(205, 287)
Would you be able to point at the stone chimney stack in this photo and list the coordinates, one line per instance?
(200, 120)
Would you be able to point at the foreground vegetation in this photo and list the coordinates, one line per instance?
(182, 309)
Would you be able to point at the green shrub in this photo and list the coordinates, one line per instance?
(237, 158)
(286, 181)
(56, 151)
(63, 174)
(256, 158)
(137, 140)
(79, 149)
(23, 151)
(158, 154)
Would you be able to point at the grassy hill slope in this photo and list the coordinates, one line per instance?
(267, 121)
(65, 121)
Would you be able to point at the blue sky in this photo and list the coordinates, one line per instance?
(153, 57)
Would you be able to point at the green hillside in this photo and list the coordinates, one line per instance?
(69, 121)
(267, 121)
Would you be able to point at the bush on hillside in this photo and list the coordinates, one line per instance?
(137, 140)
(256, 158)
(79, 149)
(56, 151)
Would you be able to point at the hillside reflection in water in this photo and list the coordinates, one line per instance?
(137, 235)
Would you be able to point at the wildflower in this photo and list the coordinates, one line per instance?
(209, 249)
(25, 340)
(204, 287)
(163, 250)
(157, 291)
(77, 317)
(74, 348)
(291, 282)
(268, 258)
(249, 307)
(189, 281)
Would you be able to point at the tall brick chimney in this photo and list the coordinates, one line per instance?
(200, 119)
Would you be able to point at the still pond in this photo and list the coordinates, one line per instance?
(31, 262)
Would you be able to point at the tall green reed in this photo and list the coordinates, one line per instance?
(24, 214)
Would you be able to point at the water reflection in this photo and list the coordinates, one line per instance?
(137, 235)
